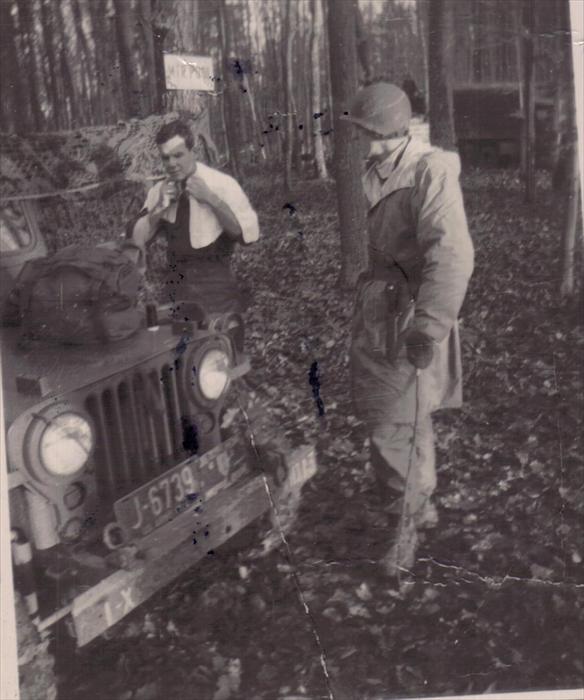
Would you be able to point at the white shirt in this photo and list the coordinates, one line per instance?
(204, 226)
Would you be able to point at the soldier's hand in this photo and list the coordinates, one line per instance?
(198, 189)
(420, 349)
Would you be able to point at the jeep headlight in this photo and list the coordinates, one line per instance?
(213, 373)
(65, 444)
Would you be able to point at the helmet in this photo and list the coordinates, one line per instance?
(381, 108)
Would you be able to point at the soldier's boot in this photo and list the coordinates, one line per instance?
(401, 556)
(426, 518)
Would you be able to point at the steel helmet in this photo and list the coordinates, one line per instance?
(381, 108)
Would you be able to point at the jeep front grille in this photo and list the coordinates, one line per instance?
(139, 433)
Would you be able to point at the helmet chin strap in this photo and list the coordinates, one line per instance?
(382, 149)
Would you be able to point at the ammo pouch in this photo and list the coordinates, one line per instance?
(384, 305)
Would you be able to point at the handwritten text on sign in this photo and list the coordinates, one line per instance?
(184, 72)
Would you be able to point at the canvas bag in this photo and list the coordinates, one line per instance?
(80, 295)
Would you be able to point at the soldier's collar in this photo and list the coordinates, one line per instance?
(388, 165)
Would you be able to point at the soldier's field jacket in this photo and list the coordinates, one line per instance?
(421, 259)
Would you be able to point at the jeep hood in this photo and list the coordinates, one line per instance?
(64, 368)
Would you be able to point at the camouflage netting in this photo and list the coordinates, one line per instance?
(115, 163)
(43, 163)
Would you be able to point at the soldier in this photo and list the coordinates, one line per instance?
(405, 352)
(203, 213)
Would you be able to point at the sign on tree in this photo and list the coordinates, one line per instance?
(186, 72)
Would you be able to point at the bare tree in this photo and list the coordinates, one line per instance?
(228, 105)
(565, 106)
(145, 21)
(106, 57)
(350, 200)
(566, 173)
(421, 8)
(73, 115)
(248, 84)
(125, 42)
(528, 79)
(362, 45)
(288, 87)
(49, 51)
(441, 111)
(83, 61)
(14, 106)
(316, 33)
(28, 38)
(571, 220)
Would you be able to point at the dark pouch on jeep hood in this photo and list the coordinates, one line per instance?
(78, 296)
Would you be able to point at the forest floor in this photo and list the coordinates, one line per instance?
(495, 600)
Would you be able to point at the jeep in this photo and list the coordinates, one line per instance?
(119, 477)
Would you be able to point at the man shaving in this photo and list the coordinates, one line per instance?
(203, 213)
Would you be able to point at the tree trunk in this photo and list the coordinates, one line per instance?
(49, 45)
(71, 103)
(528, 19)
(71, 108)
(518, 23)
(14, 107)
(329, 82)
(441, 110)
(569, 236)
(314, 124)
(125, 41)
(278, 96)
(272, 80)
(159, 34)
(362, 45)
(477, 35)
(105, 58)
(347, 155)
(83, 61)
(154, 101)
(566, 175)
(288, 36)
(180, 21)
(559, 87)
(565, 104)
(421, 28)
(247, 81)
(249, 91)
(227, 101)
(28, 35)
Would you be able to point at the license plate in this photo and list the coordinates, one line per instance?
(189, 483)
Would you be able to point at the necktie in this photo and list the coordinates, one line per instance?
(183, 211)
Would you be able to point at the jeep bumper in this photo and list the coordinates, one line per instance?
(173, 548)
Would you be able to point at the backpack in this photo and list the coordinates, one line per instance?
(80, 295)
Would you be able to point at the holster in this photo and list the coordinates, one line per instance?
(385, 301)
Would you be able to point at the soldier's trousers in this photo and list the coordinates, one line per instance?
(405, 463)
